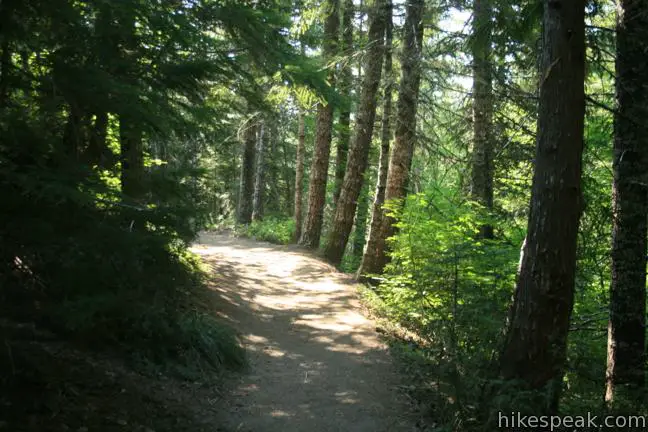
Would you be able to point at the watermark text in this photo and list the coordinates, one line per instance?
(517, 420)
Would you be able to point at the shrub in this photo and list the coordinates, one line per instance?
(449, 290)
(107, 275)
(271, 229)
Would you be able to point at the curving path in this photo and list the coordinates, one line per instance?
(316, 363)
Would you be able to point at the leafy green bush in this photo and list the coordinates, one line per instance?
(451, 291)
(350, 263)
(271, 229)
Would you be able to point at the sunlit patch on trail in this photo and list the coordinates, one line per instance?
(279, 413)
(255, 339)
(204, 250)
(333, 326)
(326, 285)
(347, 397)
(314, 357)
(290, 302)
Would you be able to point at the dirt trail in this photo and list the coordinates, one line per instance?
(316, 363)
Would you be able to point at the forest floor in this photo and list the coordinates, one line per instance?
(316, 363)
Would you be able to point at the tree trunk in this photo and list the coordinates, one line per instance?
(6, 64)
(105, 36)
(130, 130)
(98, 152)
(259, 183)
(360, 231)
(73, 133)
(273, 176)
(299, 176)
(385, 138)
(246, 188)
(482, 155)
(312, 229)
(288, 175)
(375, 259)
(344, 129)
(359, 152)
(132, 159)
(626, 330)
(5, 71)
(536, 342)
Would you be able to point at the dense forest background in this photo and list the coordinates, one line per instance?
(480, 165)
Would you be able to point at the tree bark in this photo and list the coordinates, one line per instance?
(626, 329)
(246, 188)
(360, 230)
(259, 181)
(73, 132)
(288, 175)
(6, 64)
(5, 70)
(482, 155)
(400, 162)
(385, 138)
(536, 342)
(97, 152)
(130, 129)
(312, 229)
(132, 159)
(273, 176)
(359, 152)
(344, 123)
(299, 176)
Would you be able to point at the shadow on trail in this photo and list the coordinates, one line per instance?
(316, 364)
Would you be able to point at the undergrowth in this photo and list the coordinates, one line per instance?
(271, 229)
(443, 301)
(109, 276)
(443, 298)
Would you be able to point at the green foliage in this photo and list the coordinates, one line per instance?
(92, 272)
(271, 229)
(350, 263)
(450, 290)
